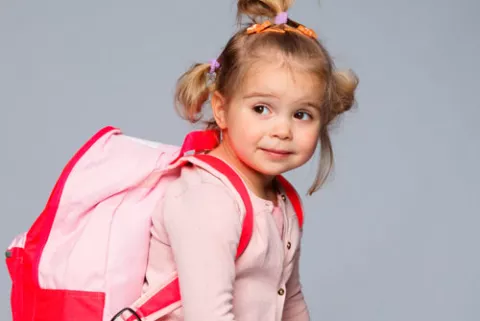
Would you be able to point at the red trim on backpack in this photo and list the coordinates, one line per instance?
(168, 295)
(67, 305)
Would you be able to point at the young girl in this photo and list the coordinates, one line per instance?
(273, 92)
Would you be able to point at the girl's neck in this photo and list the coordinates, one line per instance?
(261, 185)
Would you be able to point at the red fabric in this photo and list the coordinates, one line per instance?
(293, 197)
(169, 295)
(15, 268)
(31, 303)
(198, 141)
(68, 305)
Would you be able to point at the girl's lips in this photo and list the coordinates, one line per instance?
(278, 152)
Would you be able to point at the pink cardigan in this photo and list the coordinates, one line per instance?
(196, 229)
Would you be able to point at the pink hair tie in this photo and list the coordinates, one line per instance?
(214, 64)
(281, 18)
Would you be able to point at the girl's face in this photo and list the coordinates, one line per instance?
(272, 121)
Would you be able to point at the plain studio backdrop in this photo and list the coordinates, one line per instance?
(393, 236)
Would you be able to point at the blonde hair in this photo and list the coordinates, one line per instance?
(242, 50)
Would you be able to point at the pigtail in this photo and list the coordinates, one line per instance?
(344, 85)
(326, 162)
(192, 92)
(340, 98)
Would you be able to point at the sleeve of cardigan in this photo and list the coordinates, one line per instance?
(203, 224)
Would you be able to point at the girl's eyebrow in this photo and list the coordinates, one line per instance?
(259, 94)
(309, 103)
(313, 104)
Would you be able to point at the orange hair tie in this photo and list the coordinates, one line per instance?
(307, 31)
(267, 26)
(258, 28)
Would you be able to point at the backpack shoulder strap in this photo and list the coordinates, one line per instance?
(236, 181)
(164, 298)
(293, 197)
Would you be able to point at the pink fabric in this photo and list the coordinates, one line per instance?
(196, 228)
(278, 217)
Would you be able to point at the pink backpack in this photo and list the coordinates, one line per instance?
(85, 256)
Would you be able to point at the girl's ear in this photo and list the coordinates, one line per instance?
(218, 103)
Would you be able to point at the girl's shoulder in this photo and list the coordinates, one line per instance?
(195, 184)
(196, 197)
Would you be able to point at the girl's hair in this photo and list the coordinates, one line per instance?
(243, 49)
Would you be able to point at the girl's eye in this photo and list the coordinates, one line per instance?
(261, 109)
(302, 115)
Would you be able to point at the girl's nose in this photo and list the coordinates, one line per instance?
(282, 129)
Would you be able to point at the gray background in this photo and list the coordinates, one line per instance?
(392, 237)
